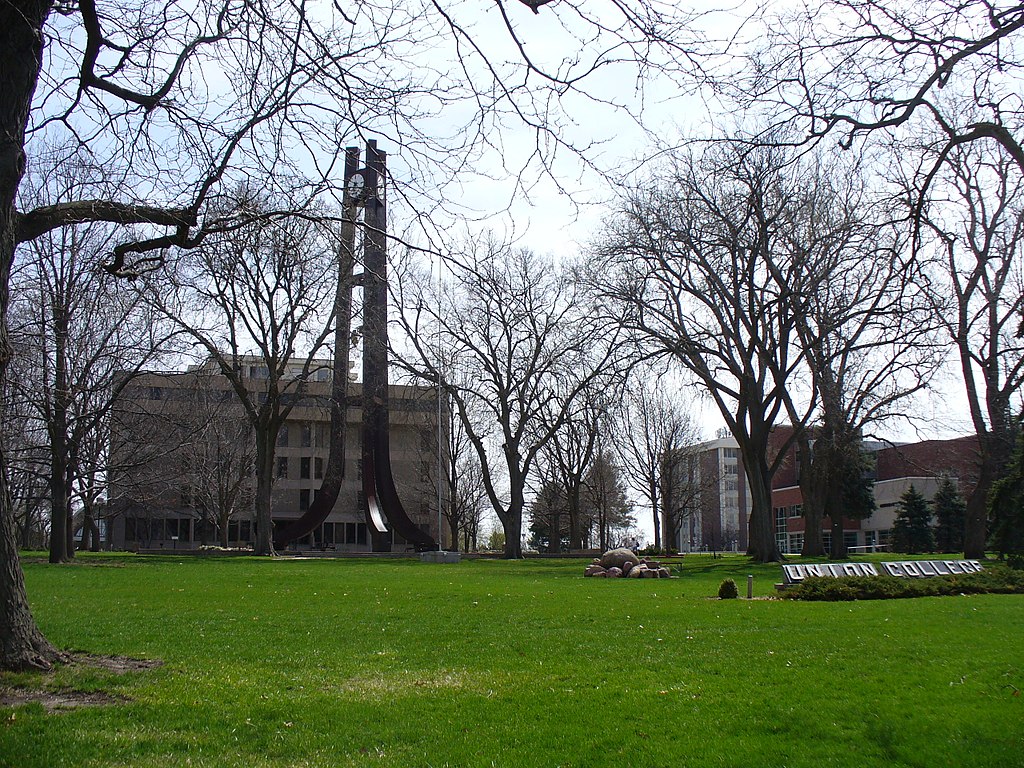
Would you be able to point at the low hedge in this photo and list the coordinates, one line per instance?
(993, 580)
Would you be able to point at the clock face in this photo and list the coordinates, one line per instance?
(356, 186)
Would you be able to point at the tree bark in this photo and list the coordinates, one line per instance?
(813, 491)
(761, 544)
(22, 645)
(264, 488)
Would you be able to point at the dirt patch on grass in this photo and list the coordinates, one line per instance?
(65, 698)
(56, 700)
(117, 664)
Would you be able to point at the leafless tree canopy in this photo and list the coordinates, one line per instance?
(511, 343)
(941, 71)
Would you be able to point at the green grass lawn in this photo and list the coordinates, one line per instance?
(397, 663)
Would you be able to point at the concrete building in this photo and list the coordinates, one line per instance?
(894, 468)
(714, 503)
(183, 461)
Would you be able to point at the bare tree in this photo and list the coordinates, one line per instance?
(218, 461)
(254, 302)
(83, 333)
(869, 339)
(703, 270)
(944, 70)
(977, 232)
(27, 461)
(652, 424)
(604, 502)
(515, 327)
(570, 453)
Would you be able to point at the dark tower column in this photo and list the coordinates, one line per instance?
(382, 502)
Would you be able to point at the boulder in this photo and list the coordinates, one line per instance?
(593, 570)
(636, 572)
(627, 567)
(614, 573)
(649, 574)
(664, 573)
(618, 558)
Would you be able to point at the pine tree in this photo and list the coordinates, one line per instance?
(1006, 506)
(950, 513)
(549, 519)
(912, 532)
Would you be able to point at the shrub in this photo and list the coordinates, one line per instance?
(994, 580)
(728, 590)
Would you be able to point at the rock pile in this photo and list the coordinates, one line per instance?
(623, 563)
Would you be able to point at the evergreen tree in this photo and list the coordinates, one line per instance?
(604, 501)
(912, 531)
(1006, 506)
(549, 518)
(950, 514)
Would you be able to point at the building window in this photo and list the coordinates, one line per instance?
(282, 437)
(796, 511)
(304, 463)
(318, 467)
(307, 435)
(155, 393)
(304, 499)
(282, 466)
(780, 519)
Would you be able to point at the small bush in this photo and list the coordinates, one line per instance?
(993, 580)
(728, 590)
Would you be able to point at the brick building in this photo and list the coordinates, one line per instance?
(894, 468)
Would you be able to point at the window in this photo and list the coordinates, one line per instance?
(318, 467)
(304, 499)
(282, 437)
(155, 393)
(796, 511)
(282, 466)
(304, 463)
(307, 435)
(239, 530)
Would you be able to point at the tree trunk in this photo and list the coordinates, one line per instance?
(22, 645)
(512, 523)
(513, 526)
(975, 521)
(573, 504)
(813, 491)
(264, 489)
(761, 545)
(656, 514)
